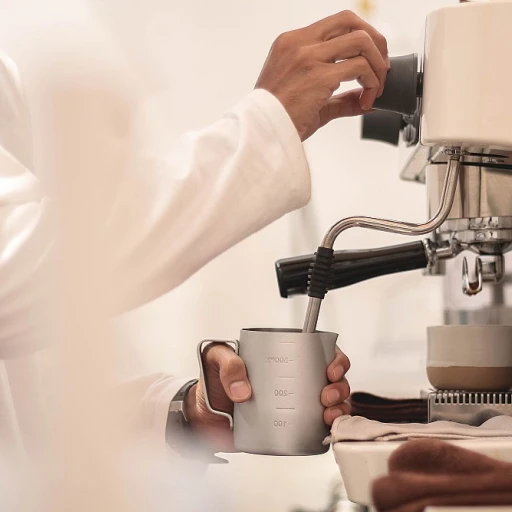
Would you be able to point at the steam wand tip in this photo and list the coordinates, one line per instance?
(319, 281)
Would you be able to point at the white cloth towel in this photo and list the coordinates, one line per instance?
(355, 428)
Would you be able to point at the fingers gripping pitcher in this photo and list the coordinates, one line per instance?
(287, 370)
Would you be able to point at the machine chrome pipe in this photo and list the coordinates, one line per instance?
(390, 226)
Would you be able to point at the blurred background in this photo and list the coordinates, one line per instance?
(200, 57)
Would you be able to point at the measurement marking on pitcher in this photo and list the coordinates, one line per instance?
(283, 393)
(285, 408)
(280, 360)
(282, 423)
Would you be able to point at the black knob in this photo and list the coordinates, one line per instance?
(383, 126)
(403, 86)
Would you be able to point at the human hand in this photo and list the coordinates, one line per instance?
(228, 384)
(306, 66)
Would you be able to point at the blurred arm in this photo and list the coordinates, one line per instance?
(163, 216)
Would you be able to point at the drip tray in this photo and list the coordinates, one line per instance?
(470, 408)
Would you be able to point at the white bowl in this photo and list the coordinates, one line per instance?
(361, 463)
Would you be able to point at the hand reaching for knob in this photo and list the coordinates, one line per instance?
(305, 67)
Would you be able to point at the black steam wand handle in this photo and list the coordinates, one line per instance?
(350, 267)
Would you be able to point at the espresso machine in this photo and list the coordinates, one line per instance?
(451, 107)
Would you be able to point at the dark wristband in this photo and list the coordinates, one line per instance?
(180, 436)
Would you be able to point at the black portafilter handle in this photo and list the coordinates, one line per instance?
(350, 267)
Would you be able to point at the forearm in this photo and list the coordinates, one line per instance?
(211, 190)
(162, 217)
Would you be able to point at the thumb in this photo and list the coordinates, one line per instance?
(232, 373)
(346, 104)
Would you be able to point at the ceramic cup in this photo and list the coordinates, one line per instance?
(470, 357)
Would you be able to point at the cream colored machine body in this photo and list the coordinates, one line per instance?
(452, 105)
(464, 110)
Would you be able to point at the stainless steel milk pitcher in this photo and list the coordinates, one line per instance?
(287, 370)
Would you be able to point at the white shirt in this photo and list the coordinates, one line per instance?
(167, 213)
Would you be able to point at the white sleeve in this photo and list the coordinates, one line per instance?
(148, 398)
(210, 190)
(166, 214)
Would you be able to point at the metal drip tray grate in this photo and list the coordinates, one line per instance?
(470, 408)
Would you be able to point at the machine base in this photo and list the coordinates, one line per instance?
(470, 408)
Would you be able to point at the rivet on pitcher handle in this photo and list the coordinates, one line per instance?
(200, 348)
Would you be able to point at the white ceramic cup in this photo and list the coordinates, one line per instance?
(470, 357)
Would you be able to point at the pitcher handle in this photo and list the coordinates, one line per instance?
(200, 348)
